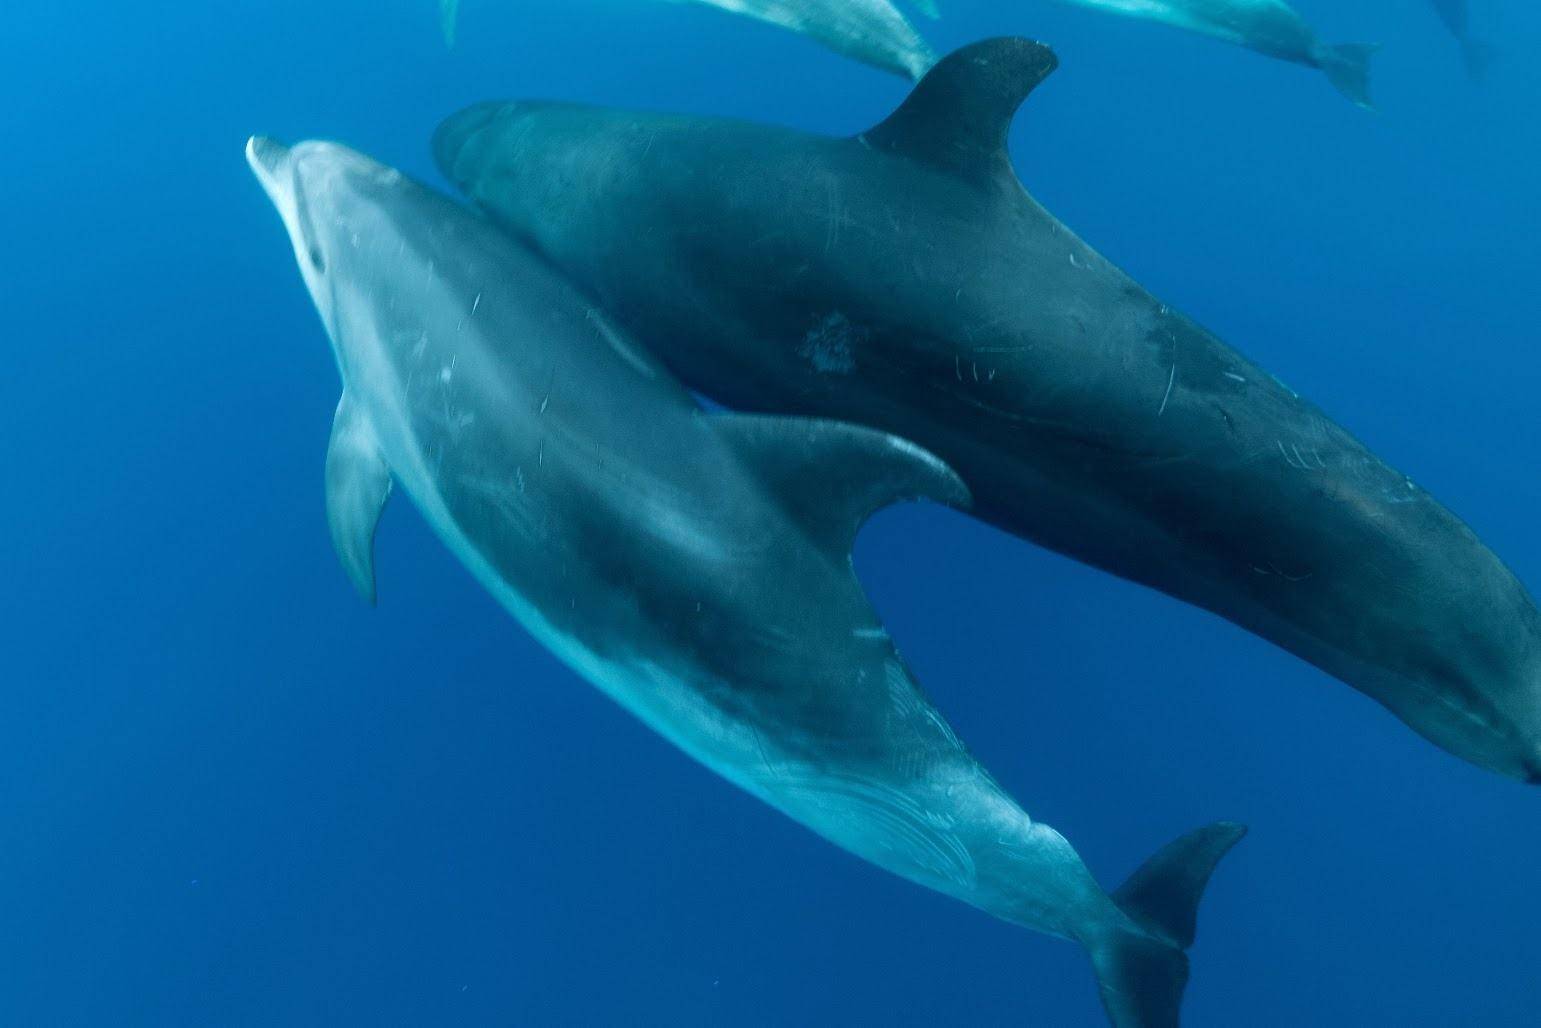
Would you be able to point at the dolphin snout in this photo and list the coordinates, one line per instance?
(451, 137)
(268, 159)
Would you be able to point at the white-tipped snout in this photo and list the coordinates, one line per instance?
(269, 161)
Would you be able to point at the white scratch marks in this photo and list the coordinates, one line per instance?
(1171, 380)
(1295, 458)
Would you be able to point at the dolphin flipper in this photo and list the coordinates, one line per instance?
(1142, 975)
(833, 476)
(357, 485)
(449, 13)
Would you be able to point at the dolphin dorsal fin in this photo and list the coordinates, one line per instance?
(957, 117)
(357, 485)
(833, 476)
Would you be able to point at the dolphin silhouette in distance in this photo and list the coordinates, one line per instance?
(1456, 16)
(874, 32)
(1270, 27)
(906, 280)
(695, 567)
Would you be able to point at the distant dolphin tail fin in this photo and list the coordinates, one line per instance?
(1478, 56)
(1348, 68)
(449, 14)
(1141, 974)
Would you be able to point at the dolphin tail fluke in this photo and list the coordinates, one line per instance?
(1141, 974)
(1478, 56)
(1348, 68)
(449, 14)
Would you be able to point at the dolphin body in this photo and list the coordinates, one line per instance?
(694, 567)
(874, 32)
(1269, 27)
(1457, 18)
(906, 280)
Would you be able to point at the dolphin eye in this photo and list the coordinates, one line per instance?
(317, 261)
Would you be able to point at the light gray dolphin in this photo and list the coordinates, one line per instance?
(694, 567)
(906, 280)
(874, 32)
(1269, 27)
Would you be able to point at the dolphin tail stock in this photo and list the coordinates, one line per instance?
(449, 14)
(1141, 974)
(1348, 68)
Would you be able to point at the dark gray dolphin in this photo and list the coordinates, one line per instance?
(1457, 18)
(906, 280)
(696, 568)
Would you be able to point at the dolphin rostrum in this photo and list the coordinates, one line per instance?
(905, 279)
(694, 567)
(1269, 27)
(874, 32)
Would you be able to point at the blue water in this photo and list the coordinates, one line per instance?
(230, 794)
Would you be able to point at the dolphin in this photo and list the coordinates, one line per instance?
(874, 32)
(1269, 27)
(696, 568)
(1457, 18)
(906, 280)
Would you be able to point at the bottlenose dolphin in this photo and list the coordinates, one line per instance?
(905, 279)
(1457, 18)
(694, 567)
(1269, 27)
(874, 32)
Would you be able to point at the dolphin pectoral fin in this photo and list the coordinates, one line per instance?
(958, 116)
(833, 476)
(357, 485)
(449, 13)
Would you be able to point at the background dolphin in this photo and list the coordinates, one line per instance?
(695, 568)
(905, 279)
(1270, 27)
(872, 31)
(1457, 18)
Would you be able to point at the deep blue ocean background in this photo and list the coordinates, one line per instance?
(231, 794)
